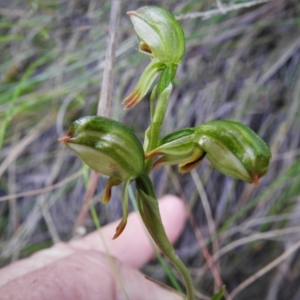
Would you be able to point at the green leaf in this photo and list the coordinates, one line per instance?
(11, 38)
(218, 295)
(149, 211)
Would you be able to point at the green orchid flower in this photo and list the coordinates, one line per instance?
(162, 39)
(110, 148)
(159, 33)
(231, 147)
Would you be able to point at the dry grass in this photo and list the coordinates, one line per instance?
(241, 64)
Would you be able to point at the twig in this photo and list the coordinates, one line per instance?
(48, 219)
(104, 100)
(270, 235)
(13, 207)
(283, 269)
(274, 234)
(221, 7)
(287, 53)
(280, 276)
(43, 201)
(266, 269)
(108, 74)
(43, 190)
(86, 200)
(38, 130)
(12, 12)
(218, 11)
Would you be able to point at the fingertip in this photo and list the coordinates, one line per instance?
(133, 246)
(173, 216)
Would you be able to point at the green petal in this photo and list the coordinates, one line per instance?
(145, 82)
(123, 222)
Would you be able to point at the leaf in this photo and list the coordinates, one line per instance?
(218, 295)
(123, 222)
(149, 211)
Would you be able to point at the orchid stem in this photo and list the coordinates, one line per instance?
(149, 211)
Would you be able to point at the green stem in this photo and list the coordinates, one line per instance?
(167, 76)
(152, 102)
(149, 211)
(163, 89)
(158, 254)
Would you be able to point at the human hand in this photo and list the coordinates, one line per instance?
(80, 269)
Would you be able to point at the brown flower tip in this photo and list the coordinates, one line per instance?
(65, 139)
(132, 99)
(159, 162)
(188, 167)
(255, 180)
(152, 154)
(131, 13)
(119, 229)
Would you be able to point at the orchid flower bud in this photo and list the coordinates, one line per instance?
(162, 38)
(231, 147)
(106, 146)
(234, 149)
(159, 33)
(110, 148)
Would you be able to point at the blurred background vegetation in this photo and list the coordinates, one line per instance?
(242, 62)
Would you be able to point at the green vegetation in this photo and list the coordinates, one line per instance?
(242, 65)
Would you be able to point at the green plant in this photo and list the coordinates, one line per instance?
(112, 149)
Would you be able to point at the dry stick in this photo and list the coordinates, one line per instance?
(220, 6)
(13, 208)
(86, 200)
(218, 11)
(266, 269)
(104, 109)
(285, 267)
(280, 276)
(46, 189)
(273, 234)
(44, 203)
(108, 75)
(287, 53)
(105, 99)
(33, 134)
(12, 12)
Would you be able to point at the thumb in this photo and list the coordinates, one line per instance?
(135, 286)
(86, 275)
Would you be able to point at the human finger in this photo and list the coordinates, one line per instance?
(133, 246)
(85, 275)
